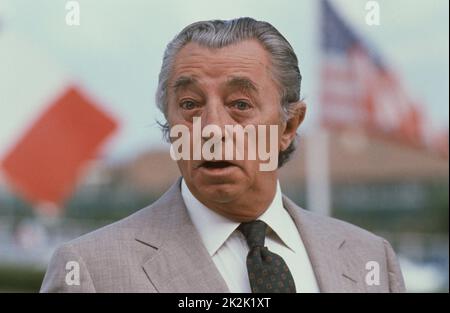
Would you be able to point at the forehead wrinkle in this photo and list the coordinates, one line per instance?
(199, 61)
(239, 76)
(208, 67)
(207, 53)
(255, 55)
(190, 62)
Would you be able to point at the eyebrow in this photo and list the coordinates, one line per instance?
(183, 82)
(243, 83)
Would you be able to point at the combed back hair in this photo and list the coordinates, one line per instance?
(221, 33)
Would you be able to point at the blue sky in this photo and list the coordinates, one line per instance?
(116, 51)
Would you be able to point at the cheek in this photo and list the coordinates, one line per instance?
(184, 167)
(270, 115)
(251, 167)
(270, 108)
(174, 114)
(281, 129)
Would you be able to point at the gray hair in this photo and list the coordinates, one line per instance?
(221, 33)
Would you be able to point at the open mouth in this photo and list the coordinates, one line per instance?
(216, 164)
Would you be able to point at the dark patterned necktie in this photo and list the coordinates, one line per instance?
(267, 271)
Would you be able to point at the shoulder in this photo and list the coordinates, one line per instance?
(337, 226)
(332, 229)
(351, 244)
(121, 235)
(93, 255)
(118, 231)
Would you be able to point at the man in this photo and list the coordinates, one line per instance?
(225, 225)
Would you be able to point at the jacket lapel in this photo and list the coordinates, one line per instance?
(178, 260)
(335, 267)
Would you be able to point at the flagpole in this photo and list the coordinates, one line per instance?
(318, 185)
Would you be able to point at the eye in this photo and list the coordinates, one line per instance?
(241, 105)
(188, 104)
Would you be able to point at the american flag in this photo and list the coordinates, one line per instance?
(359, 90)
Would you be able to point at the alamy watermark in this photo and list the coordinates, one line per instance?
(373, 13)
(373, 273)
(73, 273)
(229, 144)
(73, 13)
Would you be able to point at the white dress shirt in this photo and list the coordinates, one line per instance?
(228, 247)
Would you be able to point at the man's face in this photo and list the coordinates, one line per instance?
(227, 86)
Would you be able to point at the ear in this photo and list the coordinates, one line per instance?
(297, 115)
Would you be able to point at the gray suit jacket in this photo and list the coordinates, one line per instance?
(158, 249)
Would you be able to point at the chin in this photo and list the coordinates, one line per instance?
(218, 185)
(222, 193)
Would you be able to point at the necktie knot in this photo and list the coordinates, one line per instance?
(254, 232)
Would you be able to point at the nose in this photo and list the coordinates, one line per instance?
(214, 114)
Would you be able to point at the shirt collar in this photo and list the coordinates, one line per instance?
(279, 220)
(214, 229)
